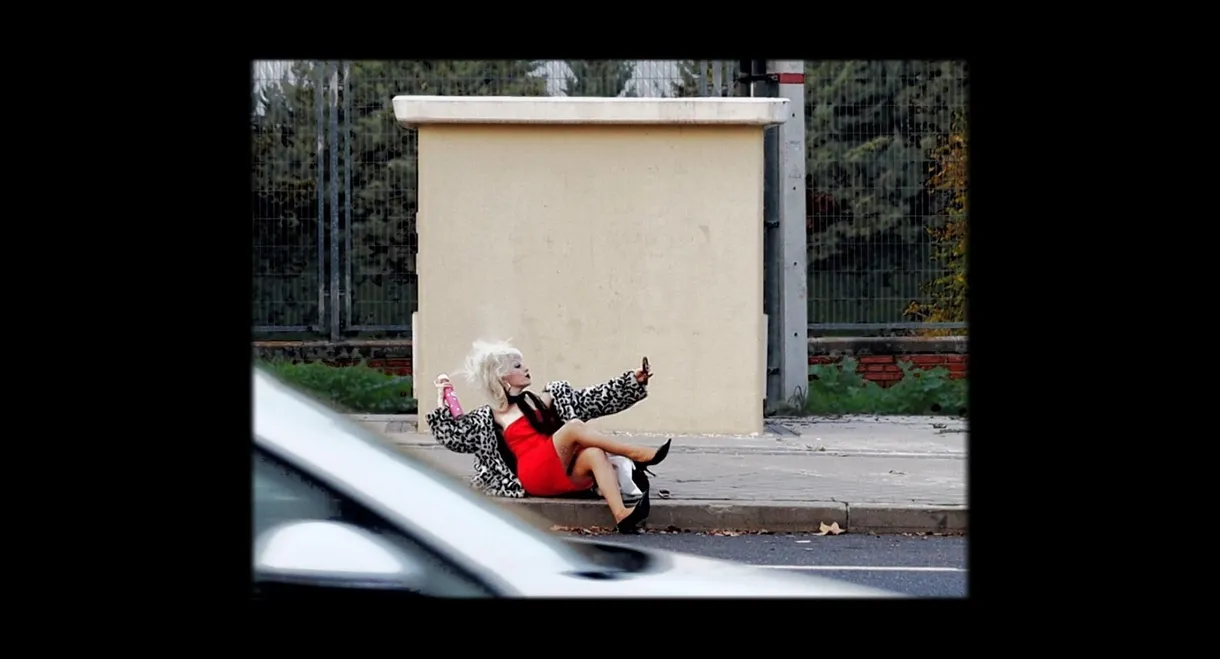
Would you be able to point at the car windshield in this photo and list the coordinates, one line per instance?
(408, 487)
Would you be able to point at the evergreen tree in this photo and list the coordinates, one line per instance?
(599, 78)
(871, 129)
(383, 162)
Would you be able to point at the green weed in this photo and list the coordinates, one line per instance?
(839, 389)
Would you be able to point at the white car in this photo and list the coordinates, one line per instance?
(341, 516)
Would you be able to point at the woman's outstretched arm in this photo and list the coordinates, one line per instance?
(598, 400)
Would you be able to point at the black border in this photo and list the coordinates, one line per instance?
(193, 402)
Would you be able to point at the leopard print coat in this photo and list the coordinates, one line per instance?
(474, 432)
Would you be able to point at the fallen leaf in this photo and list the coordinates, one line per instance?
(664, 494)
(832, 529)
(900, 473)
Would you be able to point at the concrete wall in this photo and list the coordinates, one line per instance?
(590, 243)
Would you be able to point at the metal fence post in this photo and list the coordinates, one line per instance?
(792, 253)
(347, 196)
(773, 284)
(320, 183)
(334, 202)
(744, 88)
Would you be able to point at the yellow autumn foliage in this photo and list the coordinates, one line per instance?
(948, 293)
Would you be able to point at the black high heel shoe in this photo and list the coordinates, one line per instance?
(641, 481)
(656, 459)
(631, 522)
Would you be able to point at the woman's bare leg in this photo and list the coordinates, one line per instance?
(576, 434)
(592, 461)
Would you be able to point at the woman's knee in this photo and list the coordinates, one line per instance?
(594, 454)
(588, 459)
(570, 431)
(591, 457)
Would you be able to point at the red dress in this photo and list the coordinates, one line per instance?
(538, 466)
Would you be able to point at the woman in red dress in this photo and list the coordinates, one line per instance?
(550, 451)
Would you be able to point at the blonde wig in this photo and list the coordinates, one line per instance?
(487, 364)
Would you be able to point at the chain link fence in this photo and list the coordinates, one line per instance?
(333, 190)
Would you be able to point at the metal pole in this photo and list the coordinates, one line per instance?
(334, 204)
(792, 272)
(743, 88)
(347, 195)
(772, 245)
(320, 184)
(752, 82)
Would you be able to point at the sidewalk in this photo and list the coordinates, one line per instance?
(868, 474)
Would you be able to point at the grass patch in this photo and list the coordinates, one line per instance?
(839, 389)
(356, 389)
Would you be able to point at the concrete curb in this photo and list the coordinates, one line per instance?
(789, 517)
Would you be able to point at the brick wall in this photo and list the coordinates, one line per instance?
(391, 366)
(391, 356)
(878, 358)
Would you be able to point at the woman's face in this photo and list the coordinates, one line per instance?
(518, 376)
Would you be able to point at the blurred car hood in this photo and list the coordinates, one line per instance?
(674, 574)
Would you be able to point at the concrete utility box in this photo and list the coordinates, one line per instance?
(591, 232)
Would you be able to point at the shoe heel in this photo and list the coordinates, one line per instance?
(631, 522)
(661, 454)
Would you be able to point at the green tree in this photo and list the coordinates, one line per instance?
(949, 292)
(384, 159)
(599, 78)
(283, 196)
(287, 155)
(871, 129)
(691, 74)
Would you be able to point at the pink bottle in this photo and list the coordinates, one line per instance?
(451, 399)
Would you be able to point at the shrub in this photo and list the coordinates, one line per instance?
(356, 389)
(948, 293)
(839, 389)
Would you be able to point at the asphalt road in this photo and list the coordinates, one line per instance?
(927, 566)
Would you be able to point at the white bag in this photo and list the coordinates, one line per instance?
(623, 467)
